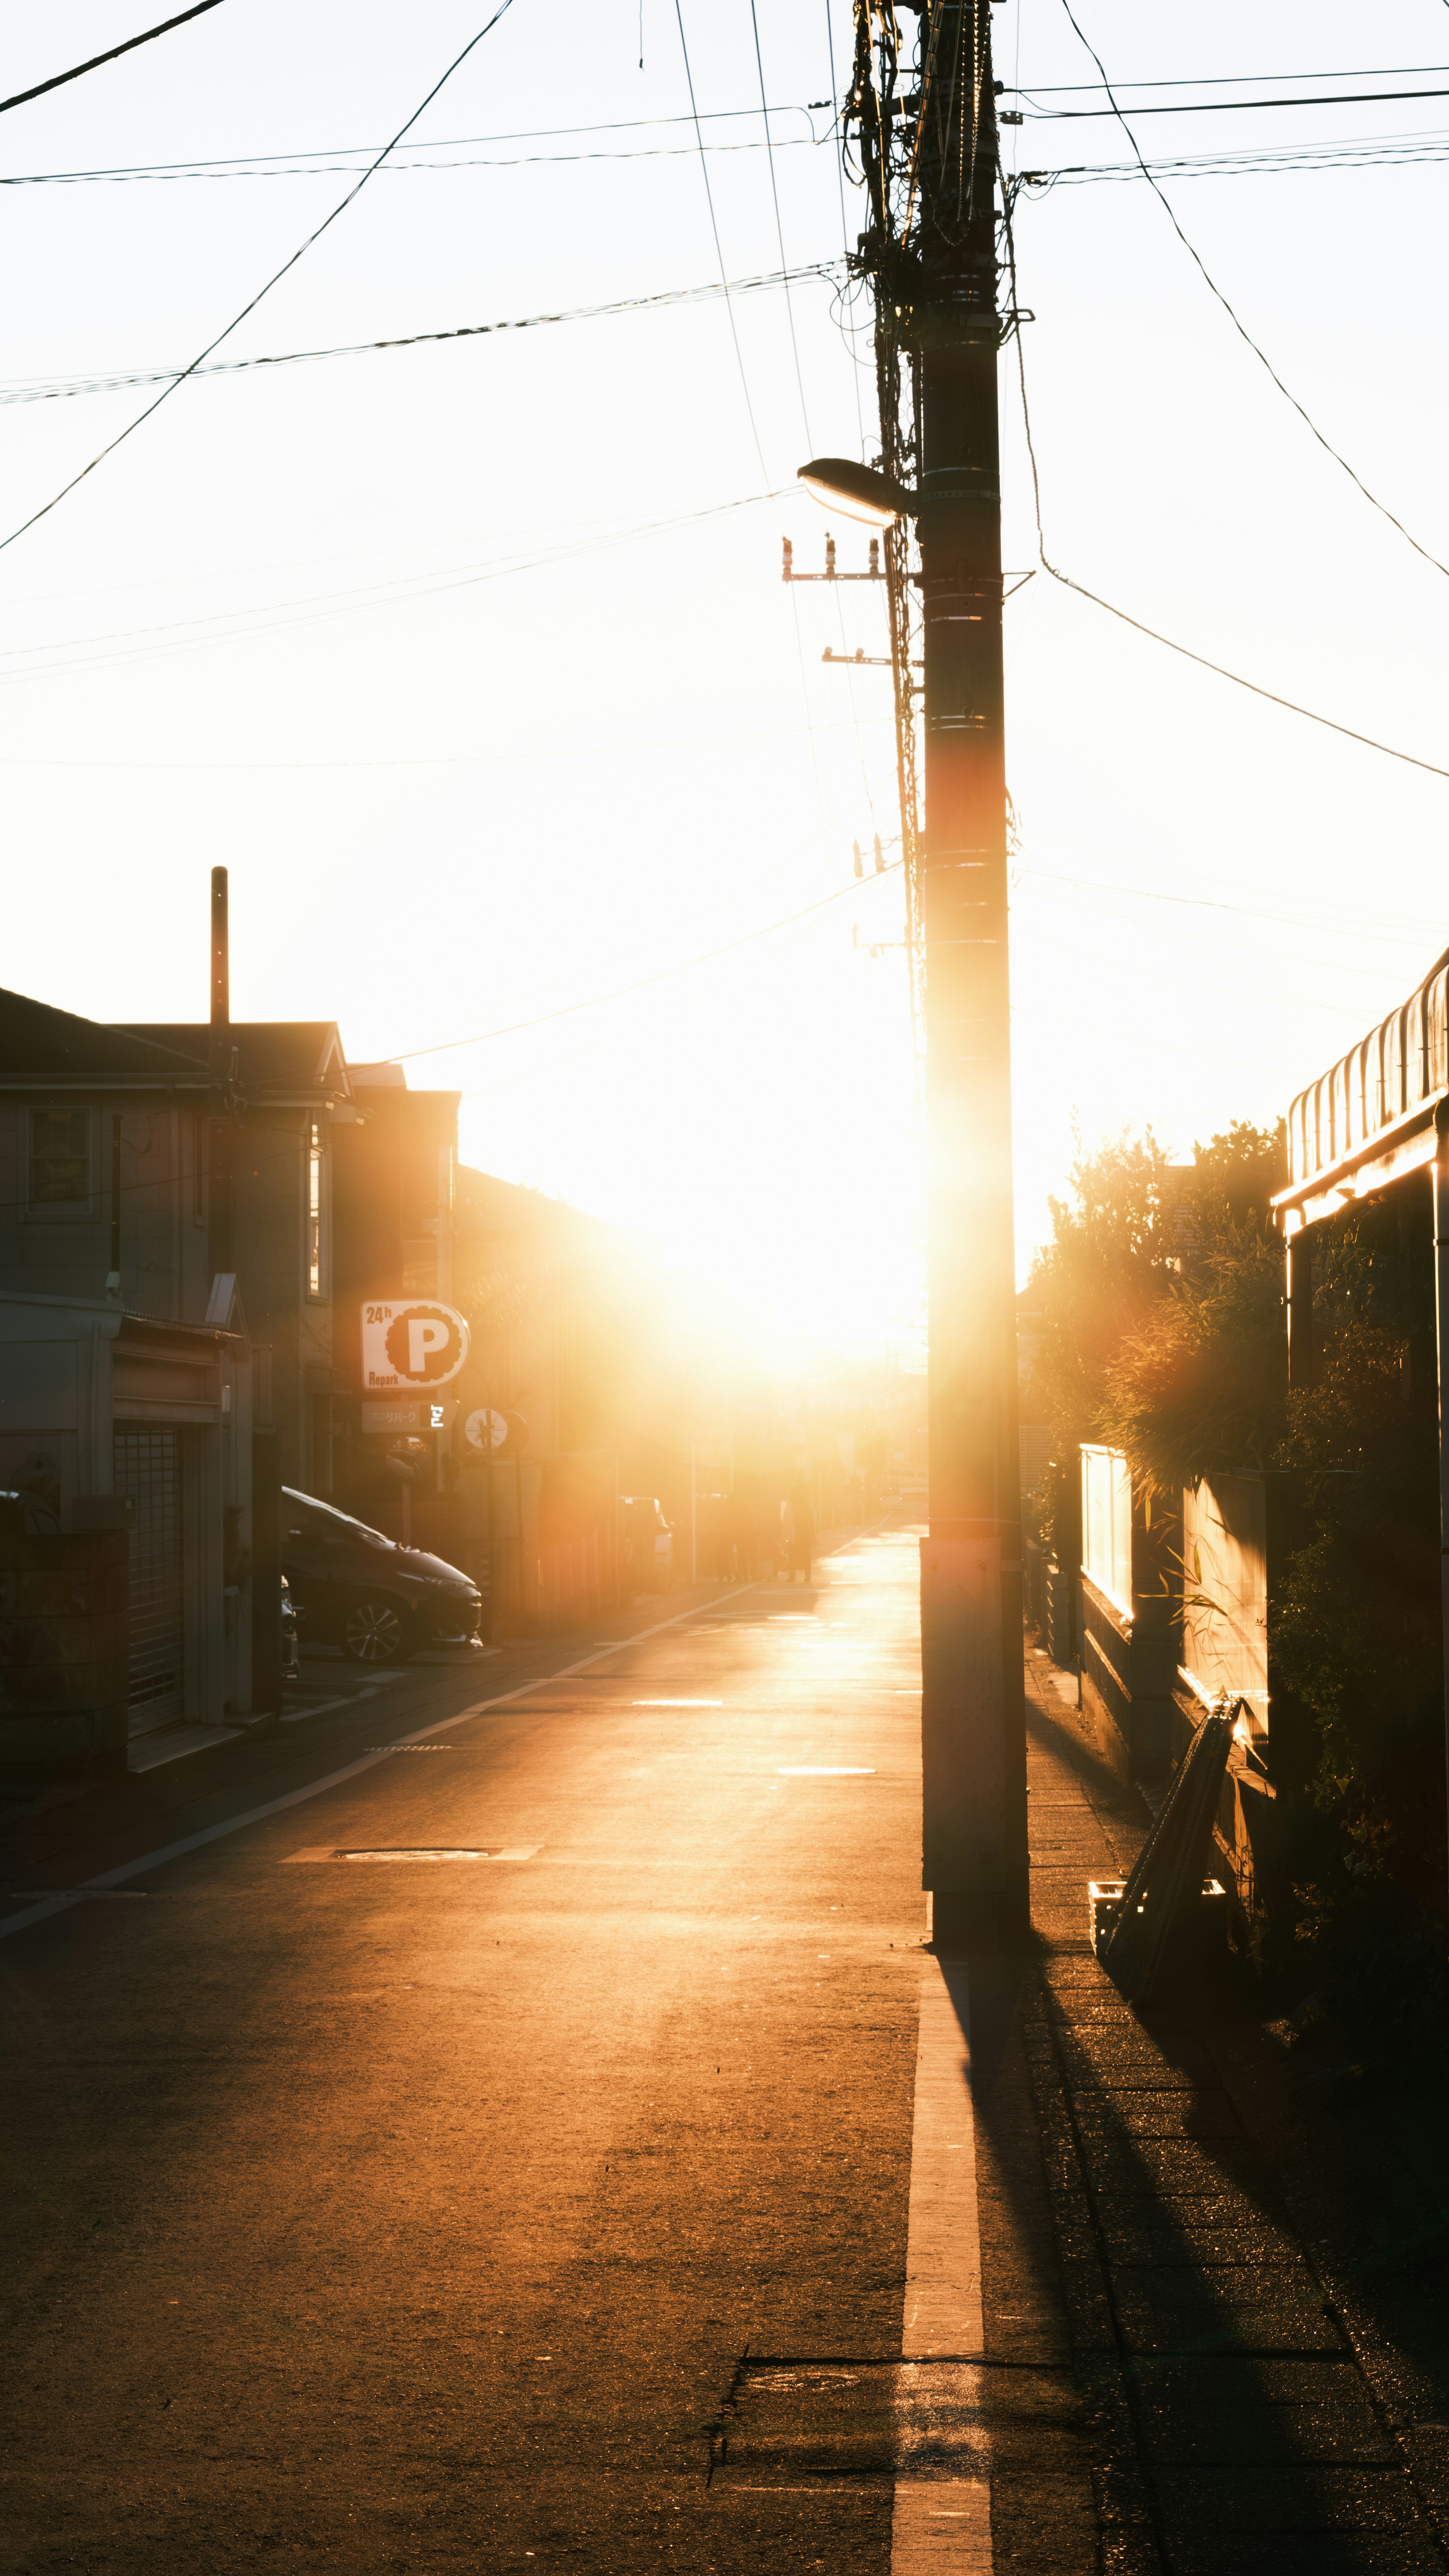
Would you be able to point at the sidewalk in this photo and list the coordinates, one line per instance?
(1240, 2415)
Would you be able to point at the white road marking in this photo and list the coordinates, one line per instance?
(677, 1703)
(824, 1771)
(942, 2527)
(332, 1851)
(333, 1779)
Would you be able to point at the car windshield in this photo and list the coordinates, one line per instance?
(334, 1523)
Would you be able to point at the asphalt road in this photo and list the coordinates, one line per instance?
(400, 2212)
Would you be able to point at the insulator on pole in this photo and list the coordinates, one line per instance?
(875, 558)
(788, 571)
(830, 559)
(859, 861)
(879, 857)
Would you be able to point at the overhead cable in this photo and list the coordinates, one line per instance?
(265, 165)
(1240, 327)
(324, 606)
(718, 251)
(1230, 80)
(58, 389)
(287, 266)
(780, 233)
(596, 1001)
(1358, 152)
(1254, 687)
(1226, 106)
(113, 54)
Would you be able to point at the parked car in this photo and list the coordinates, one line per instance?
(355, 1589)
(648, 1542)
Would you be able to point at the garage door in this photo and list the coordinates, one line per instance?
(148, 1471)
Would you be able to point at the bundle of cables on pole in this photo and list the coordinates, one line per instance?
(1164, 1896)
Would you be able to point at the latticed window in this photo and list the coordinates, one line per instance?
(60, 1157)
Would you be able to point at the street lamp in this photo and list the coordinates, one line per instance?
(857, 491)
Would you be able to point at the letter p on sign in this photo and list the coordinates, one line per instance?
(425, 1333)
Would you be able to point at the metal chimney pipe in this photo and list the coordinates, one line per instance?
(219, 1052)
(219, 1066)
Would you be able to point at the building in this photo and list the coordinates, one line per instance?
(111, 1420)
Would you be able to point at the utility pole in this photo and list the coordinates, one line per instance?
(219, 1180)
(927, 137)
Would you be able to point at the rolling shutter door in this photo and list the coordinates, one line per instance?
(148, 1471)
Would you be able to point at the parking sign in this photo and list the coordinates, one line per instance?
(412, 1344)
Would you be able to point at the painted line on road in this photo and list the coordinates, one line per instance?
(676, 1703)
(826, 1771)
(410, 1851)
(61, 1902)
(943, 2524)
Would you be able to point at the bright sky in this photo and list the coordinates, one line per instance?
(469, 665)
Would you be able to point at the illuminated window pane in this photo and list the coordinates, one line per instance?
(314, 1211)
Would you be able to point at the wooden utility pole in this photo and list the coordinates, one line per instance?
(926, 131)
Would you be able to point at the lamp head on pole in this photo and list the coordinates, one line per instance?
(859, 491)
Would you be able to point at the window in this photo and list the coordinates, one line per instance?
(314, 1211)
(1107, 1524)
(60, 1157)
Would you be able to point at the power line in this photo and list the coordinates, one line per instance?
(1351, 928)
(780, 233)
(326, 605)
(62, 389)
(596, 1001)
(844, 227)
(287, 265)
(745, 384)
(1356, 152)
(1254, 688)
(1226, 106)
(1231, 80)
(718, 251)
(1243, 333)
(59, 79)
(310, 160)
(335, 169)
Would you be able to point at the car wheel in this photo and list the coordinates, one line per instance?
(373, 1632)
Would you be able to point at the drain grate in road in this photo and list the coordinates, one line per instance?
(416, 1851)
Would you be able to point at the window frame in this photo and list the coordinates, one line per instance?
(61, 1211)
(314, 1214)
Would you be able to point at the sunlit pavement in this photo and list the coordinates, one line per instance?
(391, 2213)
(565, 2176)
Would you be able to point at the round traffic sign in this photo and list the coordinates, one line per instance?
(485, 1429)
